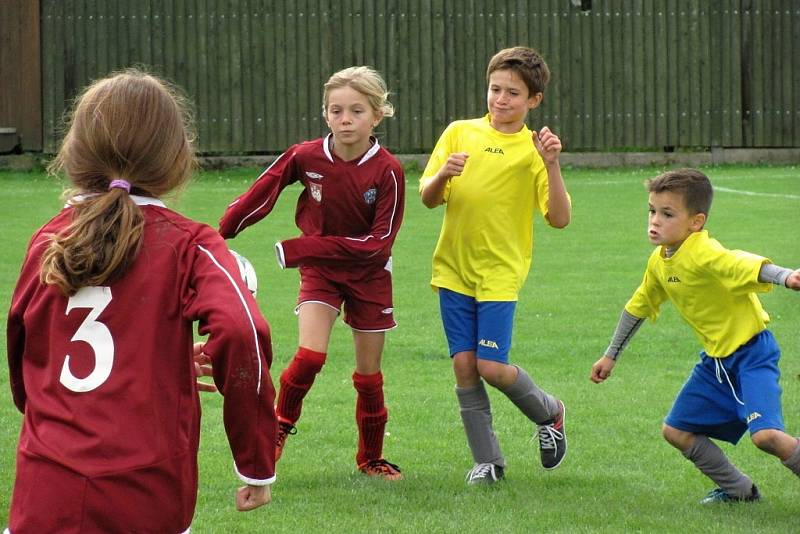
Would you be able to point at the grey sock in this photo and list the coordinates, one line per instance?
(476, 413)
(713, 463)
(793, 461)
(537, 405)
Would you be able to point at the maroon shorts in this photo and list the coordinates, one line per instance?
(366, 293)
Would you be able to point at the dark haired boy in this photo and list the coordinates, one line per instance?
(485, 247)
(734, 388)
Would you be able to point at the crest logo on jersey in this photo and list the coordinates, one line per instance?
(316, 191)
(313, 175)
(370, 195)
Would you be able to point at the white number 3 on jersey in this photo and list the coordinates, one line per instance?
(96, 334)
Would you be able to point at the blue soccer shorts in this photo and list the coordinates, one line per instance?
(482, 327)
(725, 397)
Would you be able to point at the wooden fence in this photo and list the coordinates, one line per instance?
(627, 74)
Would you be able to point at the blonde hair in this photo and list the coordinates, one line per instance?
(366, 81)
(132, 126)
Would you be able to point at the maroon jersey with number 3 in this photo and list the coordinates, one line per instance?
(106, 381)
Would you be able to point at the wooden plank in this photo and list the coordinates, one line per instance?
(795, 100)
(692, 11)
(631, 73)
(746, 75)
(20, 54)
(788, 57)
(440, 96)
(597, 79)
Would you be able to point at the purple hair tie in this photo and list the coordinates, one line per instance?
(120, 184)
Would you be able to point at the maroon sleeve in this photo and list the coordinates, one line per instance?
(15, 326)
(240, 349)
(258, 201)
(339, 250)
(15, 343)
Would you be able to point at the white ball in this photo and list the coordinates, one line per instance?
(247, 272)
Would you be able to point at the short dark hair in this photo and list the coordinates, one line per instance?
(526, 62)
(691, 184)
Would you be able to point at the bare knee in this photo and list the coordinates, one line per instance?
(679, 439)
(499, 375)
(768, 440)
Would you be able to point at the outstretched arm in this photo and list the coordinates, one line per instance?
(780, 276)
(627, 326)
(793, 280)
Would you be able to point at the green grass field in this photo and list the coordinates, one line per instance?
(619, 476)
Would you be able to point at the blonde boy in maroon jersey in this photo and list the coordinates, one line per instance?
(349, 213)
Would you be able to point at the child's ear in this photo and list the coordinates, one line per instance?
(698, 221)
(377, 119)
(535, 100)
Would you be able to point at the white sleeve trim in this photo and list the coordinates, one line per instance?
(281, 257)
(253, 481)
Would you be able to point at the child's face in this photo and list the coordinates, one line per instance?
(350, 117)
(508, 100)
(670, 222)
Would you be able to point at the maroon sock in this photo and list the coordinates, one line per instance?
(371, 416)
(296, 380)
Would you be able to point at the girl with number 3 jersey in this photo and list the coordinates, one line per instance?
(100, 332)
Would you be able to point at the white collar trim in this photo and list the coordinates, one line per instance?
(137, 199)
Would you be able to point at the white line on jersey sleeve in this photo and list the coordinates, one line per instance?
(246, 309)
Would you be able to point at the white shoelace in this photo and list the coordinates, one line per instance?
(548, 436)
(482, 471)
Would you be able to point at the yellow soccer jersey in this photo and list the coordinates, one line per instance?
(486, 243)
(713, 289)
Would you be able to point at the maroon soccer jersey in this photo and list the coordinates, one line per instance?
(106, 379)
(349, 211)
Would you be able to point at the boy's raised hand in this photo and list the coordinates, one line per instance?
(793, 281)
(602, 369)
(454, 165)
(547, 144)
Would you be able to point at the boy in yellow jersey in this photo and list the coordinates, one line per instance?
(734, 387)
(492, 173)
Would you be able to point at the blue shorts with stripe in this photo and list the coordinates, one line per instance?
(481, 326)
(725, 397)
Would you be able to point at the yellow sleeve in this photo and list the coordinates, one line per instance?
(438, 157)
(648, 297)
(736, 270)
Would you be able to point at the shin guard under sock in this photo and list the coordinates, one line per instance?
(713, 463)
(793, 461)
(476, 414)
(295, 382)
(371, 416)
(538, 406)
